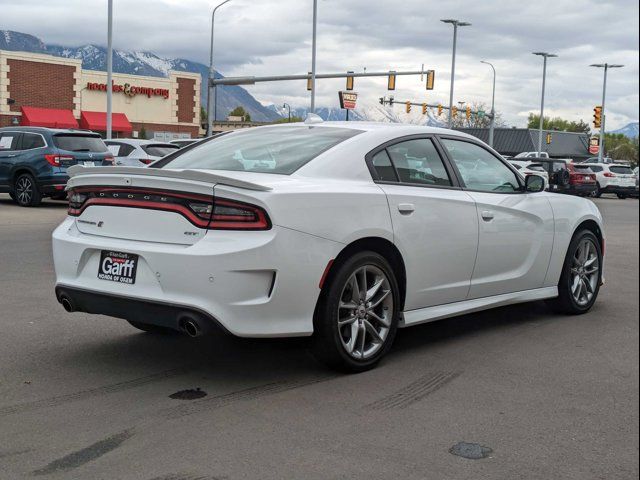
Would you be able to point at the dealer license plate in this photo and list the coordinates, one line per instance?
(118, 267)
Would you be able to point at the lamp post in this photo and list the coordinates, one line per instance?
(544, 55)
(606, 67)
(493, 103)
(313, 57)
(211, 115)
(109, 67)
(287, 106)
(456, 24)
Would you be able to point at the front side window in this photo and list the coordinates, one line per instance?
(281, 150)
(418, 161)
(31, 140)
(481, 170)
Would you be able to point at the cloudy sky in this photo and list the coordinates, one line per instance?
(266, 37)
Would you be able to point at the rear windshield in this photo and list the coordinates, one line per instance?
(280, 150)
(582, 168)
(79, 143)
(159, 150)
(621, 170)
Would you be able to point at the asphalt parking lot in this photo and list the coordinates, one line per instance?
(89, 397)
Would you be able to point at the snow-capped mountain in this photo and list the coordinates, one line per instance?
(369, 111)
(94, 57)
(630, 130)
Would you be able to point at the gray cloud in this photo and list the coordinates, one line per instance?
(259, 37)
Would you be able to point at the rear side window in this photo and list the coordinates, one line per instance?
(159, 150)
(31, 140)
(621, 170)
(9, 141)
(79, 143)
(119, 149)
(382, 166)
(418, 161)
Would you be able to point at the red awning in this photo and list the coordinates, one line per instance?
(47, 117)
(98, 121)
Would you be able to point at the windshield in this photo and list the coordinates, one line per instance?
(80, 143)
(159, 150)
(279, 150)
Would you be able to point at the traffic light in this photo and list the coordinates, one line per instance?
(391, 83)
(549, 138)
(407, 107)
(454, 111)
(597, 117)
(309, 82)
(430, 78)
(468, 112)
(349, 81)
(424, 108)
(439, 110)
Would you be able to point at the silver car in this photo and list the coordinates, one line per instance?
(133, 152)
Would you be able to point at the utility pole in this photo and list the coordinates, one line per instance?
(211, 115)
(493, 103)
(313, 57)
(606, 67)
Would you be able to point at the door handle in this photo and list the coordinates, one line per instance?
(487, 216)
(406, 208)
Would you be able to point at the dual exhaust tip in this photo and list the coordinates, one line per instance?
(188, 325)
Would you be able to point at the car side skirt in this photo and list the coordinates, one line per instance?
(438, 312)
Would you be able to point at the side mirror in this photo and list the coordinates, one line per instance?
(533, 184)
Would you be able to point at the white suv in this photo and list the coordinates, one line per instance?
(613, 178)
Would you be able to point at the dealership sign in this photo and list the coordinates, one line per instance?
(594, 145)
(130, 90)
(348, 100)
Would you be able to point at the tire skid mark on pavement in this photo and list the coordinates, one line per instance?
(414, 391)
(93, 392)
(187, 476)
(85, 455)
(250, 393)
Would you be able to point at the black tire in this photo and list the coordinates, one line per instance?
(565, 302)
(26, 191)
(622, 196)
(597, 193)
(328, 337)
(146, 327)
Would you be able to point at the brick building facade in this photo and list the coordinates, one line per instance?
(164, 108)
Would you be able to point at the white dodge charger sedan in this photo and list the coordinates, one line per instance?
(343, 231)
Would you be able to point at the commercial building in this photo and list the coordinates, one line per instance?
(43, 90)
(511, 141)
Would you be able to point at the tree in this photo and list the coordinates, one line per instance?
(558, 123)
(620, 147)
(239, 111)
(142, 133)
(475, 121)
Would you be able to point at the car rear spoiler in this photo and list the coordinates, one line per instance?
(196, 175)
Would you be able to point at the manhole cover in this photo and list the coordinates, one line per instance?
(472, 451)
(188, 394)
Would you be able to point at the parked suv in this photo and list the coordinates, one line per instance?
(613, 178)
(568, 177)
(34, 160)
(133, 152)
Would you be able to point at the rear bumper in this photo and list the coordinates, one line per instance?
(254, 284)
(620, 190)
(581, 189)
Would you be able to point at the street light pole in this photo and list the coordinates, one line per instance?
(493, 103)
(211, 114)
(456, 24)
(109, 68)
(286, 105)
(606, 67)
(544, 55)
(313, 57)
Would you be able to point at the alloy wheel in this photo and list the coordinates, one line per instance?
(365, 312)
(585, 269)
(24, 190)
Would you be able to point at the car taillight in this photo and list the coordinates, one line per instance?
(146, 161)
(609, 174)
(222, 214)
(110, 159)
(54, 159)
